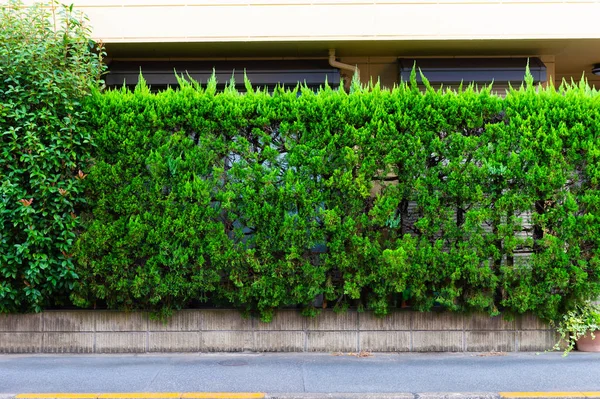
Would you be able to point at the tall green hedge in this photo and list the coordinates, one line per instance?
(48, 65)
(373, 198)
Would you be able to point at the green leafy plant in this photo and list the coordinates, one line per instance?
(459, 200)
(583, 320)
(48, 64)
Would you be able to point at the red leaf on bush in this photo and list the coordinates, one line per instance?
(26, 202)
(80, 175)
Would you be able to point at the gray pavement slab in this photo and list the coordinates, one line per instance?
(306, 395)
(302, 373)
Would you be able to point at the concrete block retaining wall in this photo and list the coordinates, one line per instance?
(215, 330)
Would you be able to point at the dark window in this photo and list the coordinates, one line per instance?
(453, 71)
(161, 74)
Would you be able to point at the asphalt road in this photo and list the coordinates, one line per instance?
(281, 373)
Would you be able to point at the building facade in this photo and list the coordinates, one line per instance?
(282, 41)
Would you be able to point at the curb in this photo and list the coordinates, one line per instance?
(307, 395)
(429, 395)
(340, 396)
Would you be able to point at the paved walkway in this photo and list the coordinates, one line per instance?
(300, 373)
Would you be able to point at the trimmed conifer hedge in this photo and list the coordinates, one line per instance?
(373, 198)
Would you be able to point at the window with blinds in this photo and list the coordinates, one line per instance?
(264, 74)
(451, 72)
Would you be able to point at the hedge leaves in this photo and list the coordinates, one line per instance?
(373, 198)
(458, 200)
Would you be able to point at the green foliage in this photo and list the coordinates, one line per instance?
(373, 198)
(47, 66)
(584, 319)
(557, 179)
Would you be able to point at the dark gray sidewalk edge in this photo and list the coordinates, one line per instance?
(426, 395)
(429, 395)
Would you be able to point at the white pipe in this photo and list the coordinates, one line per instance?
(340, 65)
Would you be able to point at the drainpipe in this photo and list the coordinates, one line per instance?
(340, 65)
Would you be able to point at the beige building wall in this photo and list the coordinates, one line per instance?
(369, 33)
(268, 20)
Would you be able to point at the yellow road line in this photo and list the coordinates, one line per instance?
(145, 395)
(550, 394)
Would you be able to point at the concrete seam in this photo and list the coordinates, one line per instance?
(253, 326)
(305, 330)
(410, 328)
(464, 335)
(358, 348)
(200, 342)
(200, 331)
(95, 329)
(517, 324)
(42, 347)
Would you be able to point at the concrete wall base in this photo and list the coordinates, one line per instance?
(217, 330)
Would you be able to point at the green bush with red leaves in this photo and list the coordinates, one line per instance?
(48, 65)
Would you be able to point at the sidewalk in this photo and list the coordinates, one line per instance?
(257, 395)
(407, 376)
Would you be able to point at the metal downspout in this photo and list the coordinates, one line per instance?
(340, 65)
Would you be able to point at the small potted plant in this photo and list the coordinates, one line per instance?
(580, 327)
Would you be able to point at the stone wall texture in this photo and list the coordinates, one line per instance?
(219, 330)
